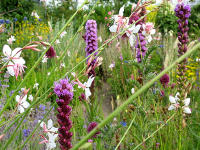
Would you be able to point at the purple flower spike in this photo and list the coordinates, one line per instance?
(91, 40)
(64, 90)
(141, 42)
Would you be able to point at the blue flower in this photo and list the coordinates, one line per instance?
(42, 107)
(40, 20)
(15, 19)
(161, 46)
(2, 21)
(123, 123)
(26, 132)
(7, 21)
(25, 18)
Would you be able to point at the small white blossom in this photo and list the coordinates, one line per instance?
(87, 86)
(22, 103)
(132, 91)
(44, 60)
(11, 40)
(30, 97)
(63, 34)
(57, 41)
(48, 73)
(36, 86)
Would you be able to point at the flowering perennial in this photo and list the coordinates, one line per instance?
(64, 90)
(91, 40)
(141, 42)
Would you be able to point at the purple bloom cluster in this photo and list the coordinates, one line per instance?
(91, 40)
(141, 41)
(183, 13)
(51, 52)
(64, 90)
(91, 126)
(164, 80)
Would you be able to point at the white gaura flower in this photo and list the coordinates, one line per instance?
(15, 62)
(49, 128)
(30, 97)
(22, 103)
(87, 86)
(174, 102)
(131, 33)
(186, 109)
(51, 132)
(35, 86)
(63, 34)
(57, 41)
(11, 40)
(111, 66)
(119, 21)
(148, 30)
(34, 14)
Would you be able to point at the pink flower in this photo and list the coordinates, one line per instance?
(109, 13)
(106, 18)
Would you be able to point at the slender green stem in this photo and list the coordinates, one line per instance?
(125, 134)
(154, 132)
(137, 93)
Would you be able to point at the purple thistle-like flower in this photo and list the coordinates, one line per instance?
(141, 41)
(183, 13)
(51, 52)
(91, 40)
(164, 80)
(91, 126)
(64, 90)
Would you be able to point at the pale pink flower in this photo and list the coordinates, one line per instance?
(63, 34)
(11, 40)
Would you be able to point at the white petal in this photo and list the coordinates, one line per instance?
(136, 29)
(25, 104)
(49, 124)
(41, 124)
(132, 90)
(17, 98)
(7, 50)
(19, 60)
(143, 32)
(11, 69)
(186, 101)
(87, 92)
(171, 107)
(172, 99)
(21, 109)
(132, 40)
(16, 52)
(187, 110)
(24, 98)
(149, 38)
(121, 11)
(89, 82)
(113, 28)
(153, 31)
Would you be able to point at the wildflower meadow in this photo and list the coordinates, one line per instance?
(99, 75)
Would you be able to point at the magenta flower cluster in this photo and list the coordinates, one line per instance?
(64, 90)
(183, 13)
(51, 52)
(141, 41)
(164, 80)
(91, 40)
(91, 126)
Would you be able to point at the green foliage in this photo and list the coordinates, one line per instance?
(16, 8)
(194, 22)
(165, 19)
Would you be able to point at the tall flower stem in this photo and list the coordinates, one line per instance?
(136, 94)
